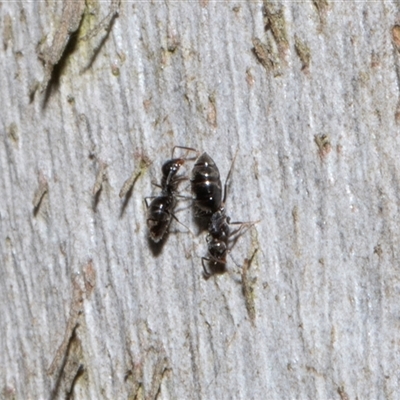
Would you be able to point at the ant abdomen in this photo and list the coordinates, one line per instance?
(159, 216)
(206, 185)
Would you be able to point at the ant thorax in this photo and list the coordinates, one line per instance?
(219, 225)
(217, 249)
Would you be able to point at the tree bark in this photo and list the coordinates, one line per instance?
(94, 94)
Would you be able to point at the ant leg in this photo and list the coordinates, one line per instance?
(148, 197)
(248, 224)
(177, 220)
(228, 176)
(186, 188)
(171, 175)
(156, 184)
(235, 235)
(184, 148)
(184, 197)
(179, 179)
(206, 273)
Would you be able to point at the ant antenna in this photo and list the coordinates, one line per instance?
(187, 149)
(228, 176)
(177, 220)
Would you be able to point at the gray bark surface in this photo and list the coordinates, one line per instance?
(308, 92)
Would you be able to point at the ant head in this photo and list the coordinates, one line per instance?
(217, 249)
(171, 167)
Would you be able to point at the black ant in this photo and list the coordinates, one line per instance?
(161, 208)
(206, 186)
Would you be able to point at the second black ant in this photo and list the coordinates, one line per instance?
(206, 187)
(160, 210)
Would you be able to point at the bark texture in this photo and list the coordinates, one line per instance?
(96, 93)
